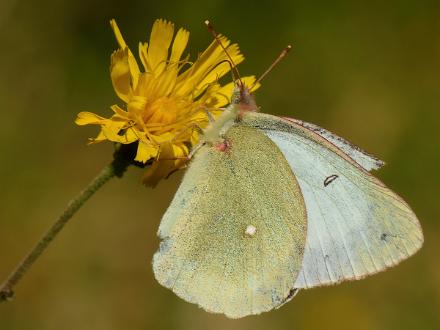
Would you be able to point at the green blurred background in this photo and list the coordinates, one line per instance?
(367, 70)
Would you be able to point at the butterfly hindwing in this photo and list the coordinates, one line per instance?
(234, 235)
(356, 225)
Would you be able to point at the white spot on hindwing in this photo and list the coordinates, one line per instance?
(250, 230)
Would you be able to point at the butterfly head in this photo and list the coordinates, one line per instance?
(243, 99)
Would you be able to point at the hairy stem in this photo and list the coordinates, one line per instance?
(116, 168)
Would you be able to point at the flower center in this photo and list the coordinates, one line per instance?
(163, 111)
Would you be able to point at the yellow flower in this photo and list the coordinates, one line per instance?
(166, 104)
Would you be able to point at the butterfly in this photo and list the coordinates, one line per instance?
(269, 206)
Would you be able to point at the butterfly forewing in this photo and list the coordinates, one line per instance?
(234, 235)
(356, 225)
(364, 159)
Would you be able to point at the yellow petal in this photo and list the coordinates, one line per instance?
(125, 135)
(179, 45)
(172, 157)
(131, 135)
(165, 82)
(101, 137)
(160, 40)
(167, 79)
(143, 55)
(87, 118)
(180, 151)
(220, 70)
(137, 105)
(118, 34)
(120, 112)
(111, 129)
(146, 85)
(194, 137)
(120, 74)
(163, 139)
(146, 151)
(134, 68)
(207, 68)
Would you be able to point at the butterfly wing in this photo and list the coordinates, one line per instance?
(356, 225)
(364, 159)
(234, 235)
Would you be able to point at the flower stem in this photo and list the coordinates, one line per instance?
(116, 168)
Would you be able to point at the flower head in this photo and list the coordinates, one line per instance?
(166, 103)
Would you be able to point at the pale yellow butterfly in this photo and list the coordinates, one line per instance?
(272, 205)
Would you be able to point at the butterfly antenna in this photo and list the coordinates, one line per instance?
(235, 73)
(279, 58)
